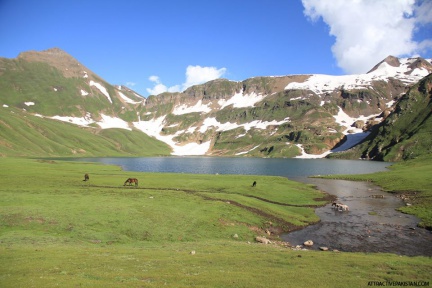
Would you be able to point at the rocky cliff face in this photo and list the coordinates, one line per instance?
(407, 132)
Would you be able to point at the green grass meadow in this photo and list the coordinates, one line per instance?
(58, 231)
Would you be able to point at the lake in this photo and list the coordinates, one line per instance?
(287, 167)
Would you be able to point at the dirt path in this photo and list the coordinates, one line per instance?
(371, 225)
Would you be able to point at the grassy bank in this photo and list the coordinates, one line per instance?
(57, 230)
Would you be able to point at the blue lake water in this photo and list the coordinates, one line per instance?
(286, 167)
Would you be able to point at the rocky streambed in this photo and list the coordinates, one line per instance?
(371, 225)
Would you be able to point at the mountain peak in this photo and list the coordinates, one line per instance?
(51, 52)
(54, 50)
(58, 58)
(402, 66)
(390, 60)
(420, 63)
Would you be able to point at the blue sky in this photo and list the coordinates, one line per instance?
(168, 45)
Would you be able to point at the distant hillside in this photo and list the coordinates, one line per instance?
(62, 108)
(40, 88)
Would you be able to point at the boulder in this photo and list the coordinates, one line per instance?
(262, 240)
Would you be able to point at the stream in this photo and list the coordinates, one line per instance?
(371, 225)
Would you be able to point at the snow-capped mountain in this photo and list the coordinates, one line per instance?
(283, 116)
(307, 113)
(406, 70)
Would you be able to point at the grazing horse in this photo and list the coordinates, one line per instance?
(254, 184)
(131, 181)
(86, 177)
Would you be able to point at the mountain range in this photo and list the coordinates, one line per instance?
(52, 105)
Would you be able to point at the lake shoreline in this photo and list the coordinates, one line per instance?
(295, 170)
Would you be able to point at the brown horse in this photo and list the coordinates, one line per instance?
(130, 181)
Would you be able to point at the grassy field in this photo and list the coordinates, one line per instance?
(59, 231)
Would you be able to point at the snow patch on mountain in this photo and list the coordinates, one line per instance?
(321, 84)
(29, 103)
(304, 155)
(102, 89)
(212, 122)
(240, 100)
(390, 103)
(153, 128)
(191, 149)
(84, 93)
(127, 99)
(245, 152)
(81, 121)
(106, 122)
(198, 107)
(113, 122)
(347, 121)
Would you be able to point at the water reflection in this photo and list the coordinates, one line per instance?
(290, 167)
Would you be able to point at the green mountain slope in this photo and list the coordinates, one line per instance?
(406, 133)
(37, 86)
(27, 135)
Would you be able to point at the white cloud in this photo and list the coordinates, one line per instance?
(160, 88)
(424, 12)
(194, 75)
(198, 75)
(367, 31)
(154, 79)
